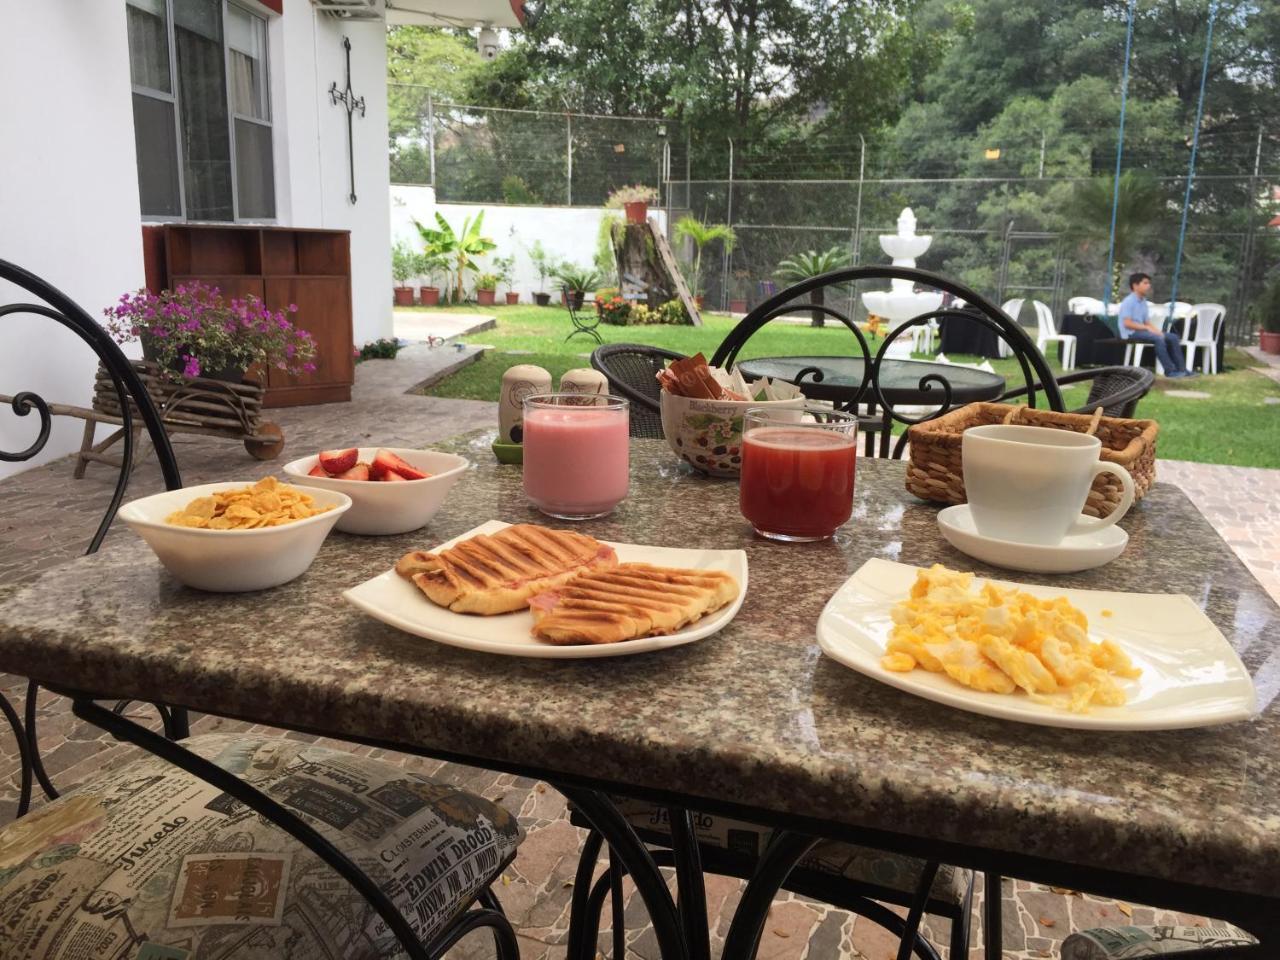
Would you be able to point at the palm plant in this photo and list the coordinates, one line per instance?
(813, 263)
(1139, 207)
(458, 249)
(700, 234)
(576, 280)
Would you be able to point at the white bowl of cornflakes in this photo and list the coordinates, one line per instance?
(236, 536)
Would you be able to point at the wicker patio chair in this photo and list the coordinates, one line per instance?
(1116, 389)
(631, 369)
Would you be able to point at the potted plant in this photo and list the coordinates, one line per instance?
(486, 284)
(1266, 309)
(813, 263)
(459, 249)
(634, 200)
(700, 234)
(194, 331)
(403, 266)
(505, 268)
(577, 281)
(544, 264)
(430, 264)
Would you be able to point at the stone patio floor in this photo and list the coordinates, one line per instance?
(46, 517)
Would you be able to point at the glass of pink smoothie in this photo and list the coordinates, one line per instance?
(576, 463)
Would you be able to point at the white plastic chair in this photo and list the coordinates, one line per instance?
(922, 337)
(1047, 332)
(1202, 331)
(1156, 313)
(1012, 308)
(1087, 306)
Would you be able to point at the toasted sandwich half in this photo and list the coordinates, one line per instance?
(498, 573)
(630, 601)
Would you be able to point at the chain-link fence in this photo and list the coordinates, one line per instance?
(1011, 219)
(494, 155)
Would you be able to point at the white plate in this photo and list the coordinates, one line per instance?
(392, 599)
(1190, 675)
(1084, 551)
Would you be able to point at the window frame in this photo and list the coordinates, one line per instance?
(172, 99)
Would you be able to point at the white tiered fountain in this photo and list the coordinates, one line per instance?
(900, 302)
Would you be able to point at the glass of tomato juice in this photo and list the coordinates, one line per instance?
(797, 477)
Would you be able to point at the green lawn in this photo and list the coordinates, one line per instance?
(1235, 425)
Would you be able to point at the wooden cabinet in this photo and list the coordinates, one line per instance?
(280, 265)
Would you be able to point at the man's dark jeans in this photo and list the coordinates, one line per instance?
(1167, 346)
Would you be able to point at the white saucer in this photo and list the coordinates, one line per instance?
(1083, 551)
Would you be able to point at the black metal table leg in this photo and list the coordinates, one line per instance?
(605, 818)
(690, 890)
(992, 933)
(178, 755)
(916, 912)
(582, 920)
(616, 912)
(784, 852)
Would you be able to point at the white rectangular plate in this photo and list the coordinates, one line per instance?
(1191, 677)
(394, 600)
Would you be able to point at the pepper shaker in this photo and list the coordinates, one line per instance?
(521, 381)
(584, 380)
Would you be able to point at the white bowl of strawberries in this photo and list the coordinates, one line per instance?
(392, 489)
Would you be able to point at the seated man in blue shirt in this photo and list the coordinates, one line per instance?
(1134, 325)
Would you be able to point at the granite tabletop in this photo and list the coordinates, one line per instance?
(754, 716)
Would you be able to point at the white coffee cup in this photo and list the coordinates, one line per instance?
(1029, 484)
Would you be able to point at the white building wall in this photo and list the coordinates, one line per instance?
(313, 175)
(68, 196)
(69, 208)
(567, 233)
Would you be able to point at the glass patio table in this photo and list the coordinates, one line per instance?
(752, 722)
(902, 383)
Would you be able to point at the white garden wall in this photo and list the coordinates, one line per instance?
(567, 233)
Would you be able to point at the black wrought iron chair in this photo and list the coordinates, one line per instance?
(1116, 389)
(1036, 374)
(220, 775)
(782, 860)
(631, 369)
(581, 316)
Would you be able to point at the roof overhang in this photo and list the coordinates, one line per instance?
(457, 13)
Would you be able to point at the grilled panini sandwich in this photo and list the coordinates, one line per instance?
(632, 600)
(498, 573)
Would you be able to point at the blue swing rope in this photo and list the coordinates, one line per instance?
(1191, 169)
(1115, 190)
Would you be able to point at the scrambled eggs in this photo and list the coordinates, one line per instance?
(1003, 640)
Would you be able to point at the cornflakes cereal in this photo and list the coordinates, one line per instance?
(268, 503)
(1003, 640)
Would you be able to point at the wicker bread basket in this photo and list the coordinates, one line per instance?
(935, 471)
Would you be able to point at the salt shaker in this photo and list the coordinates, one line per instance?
(523, 380)
(584, 380)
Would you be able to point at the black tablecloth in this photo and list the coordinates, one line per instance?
(964, 336)
(1089, 330)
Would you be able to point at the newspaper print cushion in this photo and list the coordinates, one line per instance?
(149, 863)
(1125, 943)
(863, 864)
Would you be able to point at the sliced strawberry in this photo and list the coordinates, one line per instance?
(359, 472)
(317, 471)
(385, 460)
(339, 461)
(391, 476)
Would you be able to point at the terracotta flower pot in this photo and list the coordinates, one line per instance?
(542, 299)
(430, 296)
(404, 296)
(1268, 341)
(637, 211)
(737, 306)
(485, 297)
(700, 300)
(512, 298)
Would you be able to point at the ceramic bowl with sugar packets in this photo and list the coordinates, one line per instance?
(707, 434)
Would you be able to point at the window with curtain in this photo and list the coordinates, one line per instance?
(202, 121)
